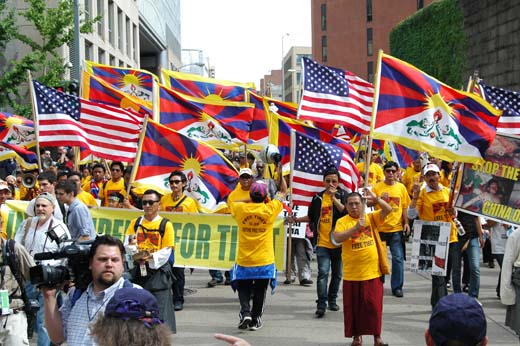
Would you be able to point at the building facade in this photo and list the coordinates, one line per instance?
(271, 85)
(349, 33)
(292, 73)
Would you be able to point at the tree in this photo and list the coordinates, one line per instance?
(54, 27)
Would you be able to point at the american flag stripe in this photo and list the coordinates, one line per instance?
(310, 158)
(336, 96)
(509, 102)
(108, 132)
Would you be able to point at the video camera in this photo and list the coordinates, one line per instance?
(77, 268)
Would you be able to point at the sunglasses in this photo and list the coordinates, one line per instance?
(149, 202)
(390, 170)
(245, 176)
(115, 170)
(175, 182)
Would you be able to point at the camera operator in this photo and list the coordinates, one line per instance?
(154, 259)
(71, 322)
(33, 234)
(14, 268)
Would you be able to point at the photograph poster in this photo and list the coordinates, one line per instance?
(430, 247)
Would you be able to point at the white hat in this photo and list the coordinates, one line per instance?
(4, 185)
(245, 171)
(431, 167)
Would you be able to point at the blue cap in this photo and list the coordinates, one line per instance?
(134, 303)
(458, 317)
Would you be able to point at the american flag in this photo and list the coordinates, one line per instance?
(108, 132)
(311, 157)
(509, 102)
(335, 96)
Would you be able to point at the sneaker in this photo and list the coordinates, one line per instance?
(214, 282)
(306, 282)
(448, 284)
(227, 282)
(320, 312)
(178, 306)
(465, 288)
(398, 293)
(333, 307)
(245, 321)
(256, 324)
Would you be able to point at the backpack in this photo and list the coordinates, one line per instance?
(162, 226)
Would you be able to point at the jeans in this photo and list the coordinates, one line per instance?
(216, 274)
(395, 242)
(473, 254)
(43, 336)
(178, 285)
(328, 260)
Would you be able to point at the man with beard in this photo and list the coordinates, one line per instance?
(71, 322)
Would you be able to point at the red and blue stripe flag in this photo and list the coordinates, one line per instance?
(211, 177)
(135, 82)
(206, 88)
(509, 102)
(17, 134)
(214, 122)
(259, 133)
(416, 110)
(400, 154)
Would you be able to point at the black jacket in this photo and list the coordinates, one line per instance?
(314, 212)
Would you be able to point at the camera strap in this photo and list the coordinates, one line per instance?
(26, 229)
(10, 257)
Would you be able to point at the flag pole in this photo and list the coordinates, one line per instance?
(288, 271)
(138, 156)
(35, 121)
(155, 101)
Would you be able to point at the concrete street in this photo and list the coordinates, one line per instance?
(289, 315)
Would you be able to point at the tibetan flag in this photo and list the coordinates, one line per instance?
(509, 102)
(214, 122)
(335, 96)
(285, 109)
(259, 132)
(211, 177)
(205, 88)
(17, 130)
(26, 158)
(400, 154)
(137, 83)
(98, 90)
(63, 119)
(416, 110)
(310, 158)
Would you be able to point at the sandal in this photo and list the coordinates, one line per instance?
(356, 341)
(379, 342)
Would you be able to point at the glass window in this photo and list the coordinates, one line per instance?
(324, 48)
(323, 17)
(112, 61)
(134, 49)
(101, 56)
(88, 50)
(370, 42)
(87, 9)
(369, 10)
(420, 4)
(370, 71)
(111, 29)
(120, 30)
(101, 22)
(128, 39)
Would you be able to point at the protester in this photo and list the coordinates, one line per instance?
(32, 234)
(255, 270)
(78, 219)
(131, 318)
(362, 284)
(46, 182)
(326, 208)
(83, 196)
(178, 202)
(83, 306)
(457, 319)
(510, 282)
(412, 174)
(272, 185)
(96, 182)
(431, 204)
(154, 260)
(115, 200)
(498, 233)
(13, 326)
(375, 172)
(115, 184)
(4, 192)
(396, 225)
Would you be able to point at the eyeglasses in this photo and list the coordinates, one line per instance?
(175, 182)
(150, 202)
(390, 170)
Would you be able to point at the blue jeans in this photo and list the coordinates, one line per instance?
(43, 336)
(216, 274)
(395, 242)
(328, 260)
(473, 254)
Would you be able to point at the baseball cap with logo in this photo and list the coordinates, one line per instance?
(458, 317)
(431, 167)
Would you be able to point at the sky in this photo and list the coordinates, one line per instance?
(243, 38)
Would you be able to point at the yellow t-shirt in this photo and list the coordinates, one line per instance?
(255, 231)
(398, 199)
(188, 205)
(106, 190)
(432, 206)
(375, 172)
(359, 252)
(148, 236)
(326, 222)
(238, 194)
(445, 180)
(87, 199)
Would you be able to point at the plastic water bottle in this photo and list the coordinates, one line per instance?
(460, 229)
